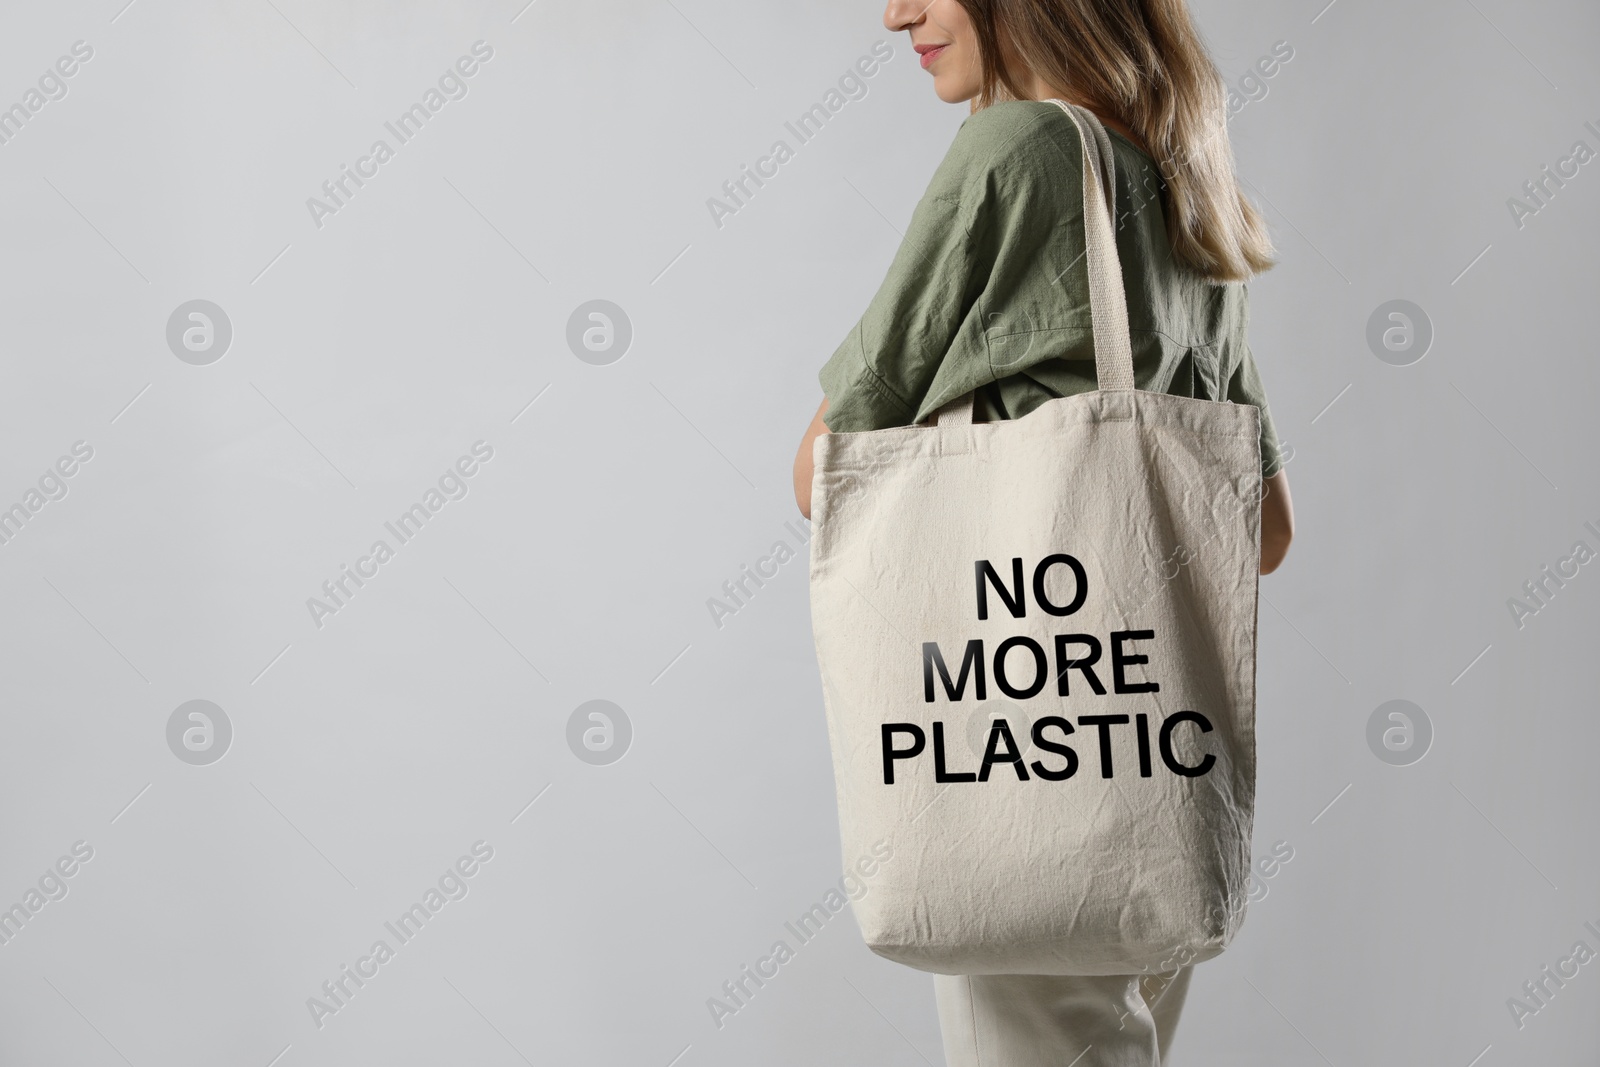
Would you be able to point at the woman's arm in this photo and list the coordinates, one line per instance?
(1277, 521)
(1277, 511)
(802, 461)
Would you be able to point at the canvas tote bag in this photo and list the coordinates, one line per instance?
(1037, 641)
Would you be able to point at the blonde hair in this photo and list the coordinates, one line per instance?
(1142, 62)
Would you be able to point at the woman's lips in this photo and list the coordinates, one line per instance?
(929, 56)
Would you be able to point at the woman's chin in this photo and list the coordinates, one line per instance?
(952, 93)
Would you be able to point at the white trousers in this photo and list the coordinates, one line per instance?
(1027, 1020)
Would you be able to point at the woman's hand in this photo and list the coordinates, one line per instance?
(1277, 511)
(802, 461)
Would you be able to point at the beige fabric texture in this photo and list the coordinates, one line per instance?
(1026, 1020)
(1123, 512)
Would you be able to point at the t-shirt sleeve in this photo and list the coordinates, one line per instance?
(1245, 388)
(878, 376)
(995, 219)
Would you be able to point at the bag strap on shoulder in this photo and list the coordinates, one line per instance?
(1108, 302)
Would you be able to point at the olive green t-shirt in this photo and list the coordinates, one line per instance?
(990, 290)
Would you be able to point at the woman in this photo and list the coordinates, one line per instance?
(968, 305)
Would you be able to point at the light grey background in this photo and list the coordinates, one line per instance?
(367, 355)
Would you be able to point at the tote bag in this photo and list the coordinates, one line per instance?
(1037, 642)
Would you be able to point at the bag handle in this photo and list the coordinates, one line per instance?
(1108, 302)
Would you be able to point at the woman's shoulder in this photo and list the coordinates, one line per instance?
(1015, 139)
(1014, 128)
